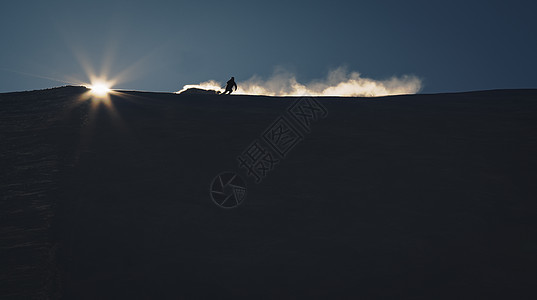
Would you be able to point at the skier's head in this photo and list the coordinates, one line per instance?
(233, 78)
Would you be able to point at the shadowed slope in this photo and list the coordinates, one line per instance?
(424, 196)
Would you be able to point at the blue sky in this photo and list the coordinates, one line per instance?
(163, 45)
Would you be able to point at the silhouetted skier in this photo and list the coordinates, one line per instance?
(229, 86)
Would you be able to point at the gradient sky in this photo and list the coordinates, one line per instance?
(163, 45)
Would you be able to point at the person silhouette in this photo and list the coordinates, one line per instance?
(229, 86)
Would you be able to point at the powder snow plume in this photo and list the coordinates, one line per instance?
(339, 82)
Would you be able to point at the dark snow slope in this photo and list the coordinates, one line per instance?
(421, 196)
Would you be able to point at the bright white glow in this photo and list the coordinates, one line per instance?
(207, 85)
(339, 82)
(100, 89)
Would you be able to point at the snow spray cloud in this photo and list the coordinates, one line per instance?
(339, 82)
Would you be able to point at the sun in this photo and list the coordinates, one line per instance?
(100, 89)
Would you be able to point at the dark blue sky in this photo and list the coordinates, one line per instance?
(163, 45)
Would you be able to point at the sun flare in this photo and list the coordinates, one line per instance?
(100, 89)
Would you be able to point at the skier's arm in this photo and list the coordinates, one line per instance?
(235, 85)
